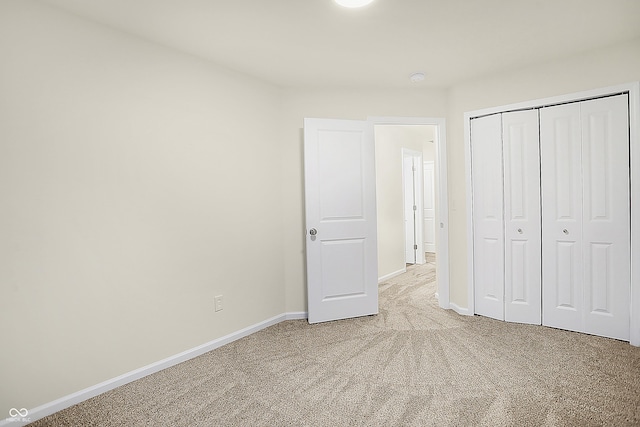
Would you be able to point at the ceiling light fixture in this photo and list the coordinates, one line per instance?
(353, 3)
(416, 77)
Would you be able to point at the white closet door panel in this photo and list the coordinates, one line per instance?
(522, 217)
(606, 216)
(488, 236)
(560, 150)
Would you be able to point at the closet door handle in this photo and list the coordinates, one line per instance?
(565, 231)
(519, 230)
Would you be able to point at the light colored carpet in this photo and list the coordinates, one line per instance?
(412, 365)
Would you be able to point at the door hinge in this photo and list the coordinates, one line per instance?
(415, 208)
(415, 247)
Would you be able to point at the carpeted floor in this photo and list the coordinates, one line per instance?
(414, 364)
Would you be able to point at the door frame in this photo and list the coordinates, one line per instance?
(442, 241)
(418, 228)
(633, 89)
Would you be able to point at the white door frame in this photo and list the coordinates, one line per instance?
(633, 89)
(416, 196)
(442, 242)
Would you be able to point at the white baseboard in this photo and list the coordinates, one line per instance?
(390, 275)
(82, 395)
(460, 310)
(297, 315)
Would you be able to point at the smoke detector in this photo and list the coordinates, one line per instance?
(416, 77)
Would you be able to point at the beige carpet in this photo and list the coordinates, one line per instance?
(412, 365)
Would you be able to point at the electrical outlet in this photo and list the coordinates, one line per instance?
(218, 302)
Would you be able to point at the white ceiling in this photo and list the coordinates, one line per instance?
(316, 43)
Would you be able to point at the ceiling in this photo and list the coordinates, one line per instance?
(316, 43)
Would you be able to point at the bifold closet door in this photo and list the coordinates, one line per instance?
(586, 216)
(522, 224)
(561, 153)
(506, 216)
(488, 224)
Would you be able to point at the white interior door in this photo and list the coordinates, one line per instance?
(488, 227)
(586, 216)
(522, 217)
(409, 211)
(340, 206)
(413, 206)
(429, 207)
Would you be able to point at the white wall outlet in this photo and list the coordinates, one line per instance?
(217, 300)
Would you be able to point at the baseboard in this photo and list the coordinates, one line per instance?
(390, 275)
(460, 310)
(82, 395)
(297, 315)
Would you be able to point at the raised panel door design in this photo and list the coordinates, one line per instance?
(606, 216)
(343, 263)
(522, 216)
(488, 235)
(340, 210)
(561, 186)
(516, 278)
(341, 188)
(489, 273)
(601, 275)
(567, 275)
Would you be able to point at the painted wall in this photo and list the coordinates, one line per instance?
(342, 104)
(390, 140)
(136, 184)
(598, 68)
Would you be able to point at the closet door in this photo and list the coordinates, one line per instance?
(488, 233)
(586, 216)
(606, 216)
(561, 153)
(520, 139)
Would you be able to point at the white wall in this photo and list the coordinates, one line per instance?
(591, 70)
(390, 140)
(136, 184)
(339, 104)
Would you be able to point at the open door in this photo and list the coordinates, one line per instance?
(340, 205)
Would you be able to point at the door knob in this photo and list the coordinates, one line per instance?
(313, 231)
(520, 230)
(565, 231)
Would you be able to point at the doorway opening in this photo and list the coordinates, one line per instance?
(412, 198)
